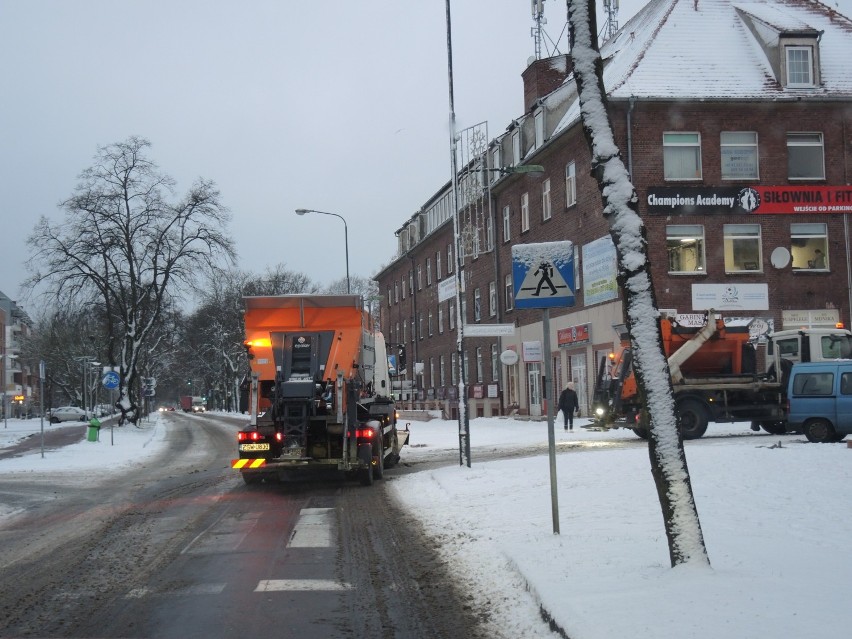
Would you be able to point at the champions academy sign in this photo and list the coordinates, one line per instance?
(783, 200)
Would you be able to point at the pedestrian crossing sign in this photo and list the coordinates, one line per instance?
(543, 274)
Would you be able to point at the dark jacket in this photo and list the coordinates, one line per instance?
(568, 402)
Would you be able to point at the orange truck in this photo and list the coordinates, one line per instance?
(715, 376)
(320, 393)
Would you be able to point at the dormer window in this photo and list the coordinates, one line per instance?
(538, 119)
(800, 67)
(516, 147)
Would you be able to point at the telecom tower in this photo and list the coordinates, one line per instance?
(540, 20)
(611, 8)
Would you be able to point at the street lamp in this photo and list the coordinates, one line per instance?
(345, 236)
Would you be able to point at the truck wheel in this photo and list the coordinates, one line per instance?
(692, 418)
(379, 468)
(642, 432)
(774, 428)
(820, 431)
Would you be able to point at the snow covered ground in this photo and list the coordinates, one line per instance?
(776, 521)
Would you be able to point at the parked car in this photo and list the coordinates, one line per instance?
(820, 400)
(66, 414)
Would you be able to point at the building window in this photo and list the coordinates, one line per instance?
(420, 324)
(495, 163)
(411, 282)
(516, 147)
(438, 266)
(451, 313)
(463, 314)
(495, 362)
(441, 370)
(489, 234)
(809, 246)
(800, 67)
(453, 368)
(509, 293)
(450, 263)
(492, 299)
(739, 155)
(404, 331)
(685, 246)
(428, 271)
(682, 156)
(479, 369)
(545, 200)
(430, 323)
(413, 330)
(403, 290)
(570, 184)
(477, 305)
(538, 121)
(507, 223)
(419, 277)
(742, 248)
(390, 297)
(440, 318)
(432, 372)
(805, 160)
(525, 212)
(396, 293)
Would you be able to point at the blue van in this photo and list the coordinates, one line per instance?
(819, 398)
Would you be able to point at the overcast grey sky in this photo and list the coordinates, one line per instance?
(340, 106)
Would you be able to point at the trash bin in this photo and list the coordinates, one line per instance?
(94, 429)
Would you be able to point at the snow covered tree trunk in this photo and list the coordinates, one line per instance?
(668, 461)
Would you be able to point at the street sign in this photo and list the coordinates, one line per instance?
(111, 380)
(543, 274)
(489, 330)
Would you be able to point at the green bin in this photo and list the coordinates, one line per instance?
(94, 429)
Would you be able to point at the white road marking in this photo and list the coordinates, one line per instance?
(313, 530)
(272, 585)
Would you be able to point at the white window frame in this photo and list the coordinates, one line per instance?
(681, 238)
(736, 150)
(440, 319)
(734, 234)
(796, 67)
(419, 277)
(477, 305)
(451, 315)
(480, 372)
(509, 292)
(495, 163)
(805, 238)
(516, 146)
(525, 212)
(438, 265)
(430, 323)
(495, 362)
(538, 125)
(805, 140)
(451, 265)
(441, 371)
(507, 223)
(492, 299)
(679, 149)
(428, 271)
(546, 211)
(570, 184)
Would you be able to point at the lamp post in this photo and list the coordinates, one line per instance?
(345, 236)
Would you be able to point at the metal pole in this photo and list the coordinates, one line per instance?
(464, 418)
(346, 241)
(551, 438)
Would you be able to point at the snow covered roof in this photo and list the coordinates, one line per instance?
(711, 50)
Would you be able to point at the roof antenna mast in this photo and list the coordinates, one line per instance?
(611, 8)
(540, 20)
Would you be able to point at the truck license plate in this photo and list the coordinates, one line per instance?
(293, 452)
(253, 447)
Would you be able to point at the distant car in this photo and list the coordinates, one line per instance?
(67, 414)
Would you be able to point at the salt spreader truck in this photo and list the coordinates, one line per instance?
(320, 392)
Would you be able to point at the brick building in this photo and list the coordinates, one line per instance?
(735, 122)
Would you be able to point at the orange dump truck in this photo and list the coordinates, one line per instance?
(715, 375)
(320, 392)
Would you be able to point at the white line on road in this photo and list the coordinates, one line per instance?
(272, 585)
(313, 530)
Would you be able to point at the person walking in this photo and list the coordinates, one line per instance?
(569, 404)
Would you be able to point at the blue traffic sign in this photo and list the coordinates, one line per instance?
(543, 274)
(111, 380)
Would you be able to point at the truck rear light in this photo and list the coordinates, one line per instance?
(364, 433)
(248, 435)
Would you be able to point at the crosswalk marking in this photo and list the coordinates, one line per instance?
(313, 530)
(302, 585)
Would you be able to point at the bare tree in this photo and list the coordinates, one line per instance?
(668, 460)
(124, 244)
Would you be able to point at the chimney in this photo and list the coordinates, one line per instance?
(542, 77)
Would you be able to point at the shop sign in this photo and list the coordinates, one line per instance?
(759, 200)
(723, 297)
(574, 335)
(532, 351)
(819, 318)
